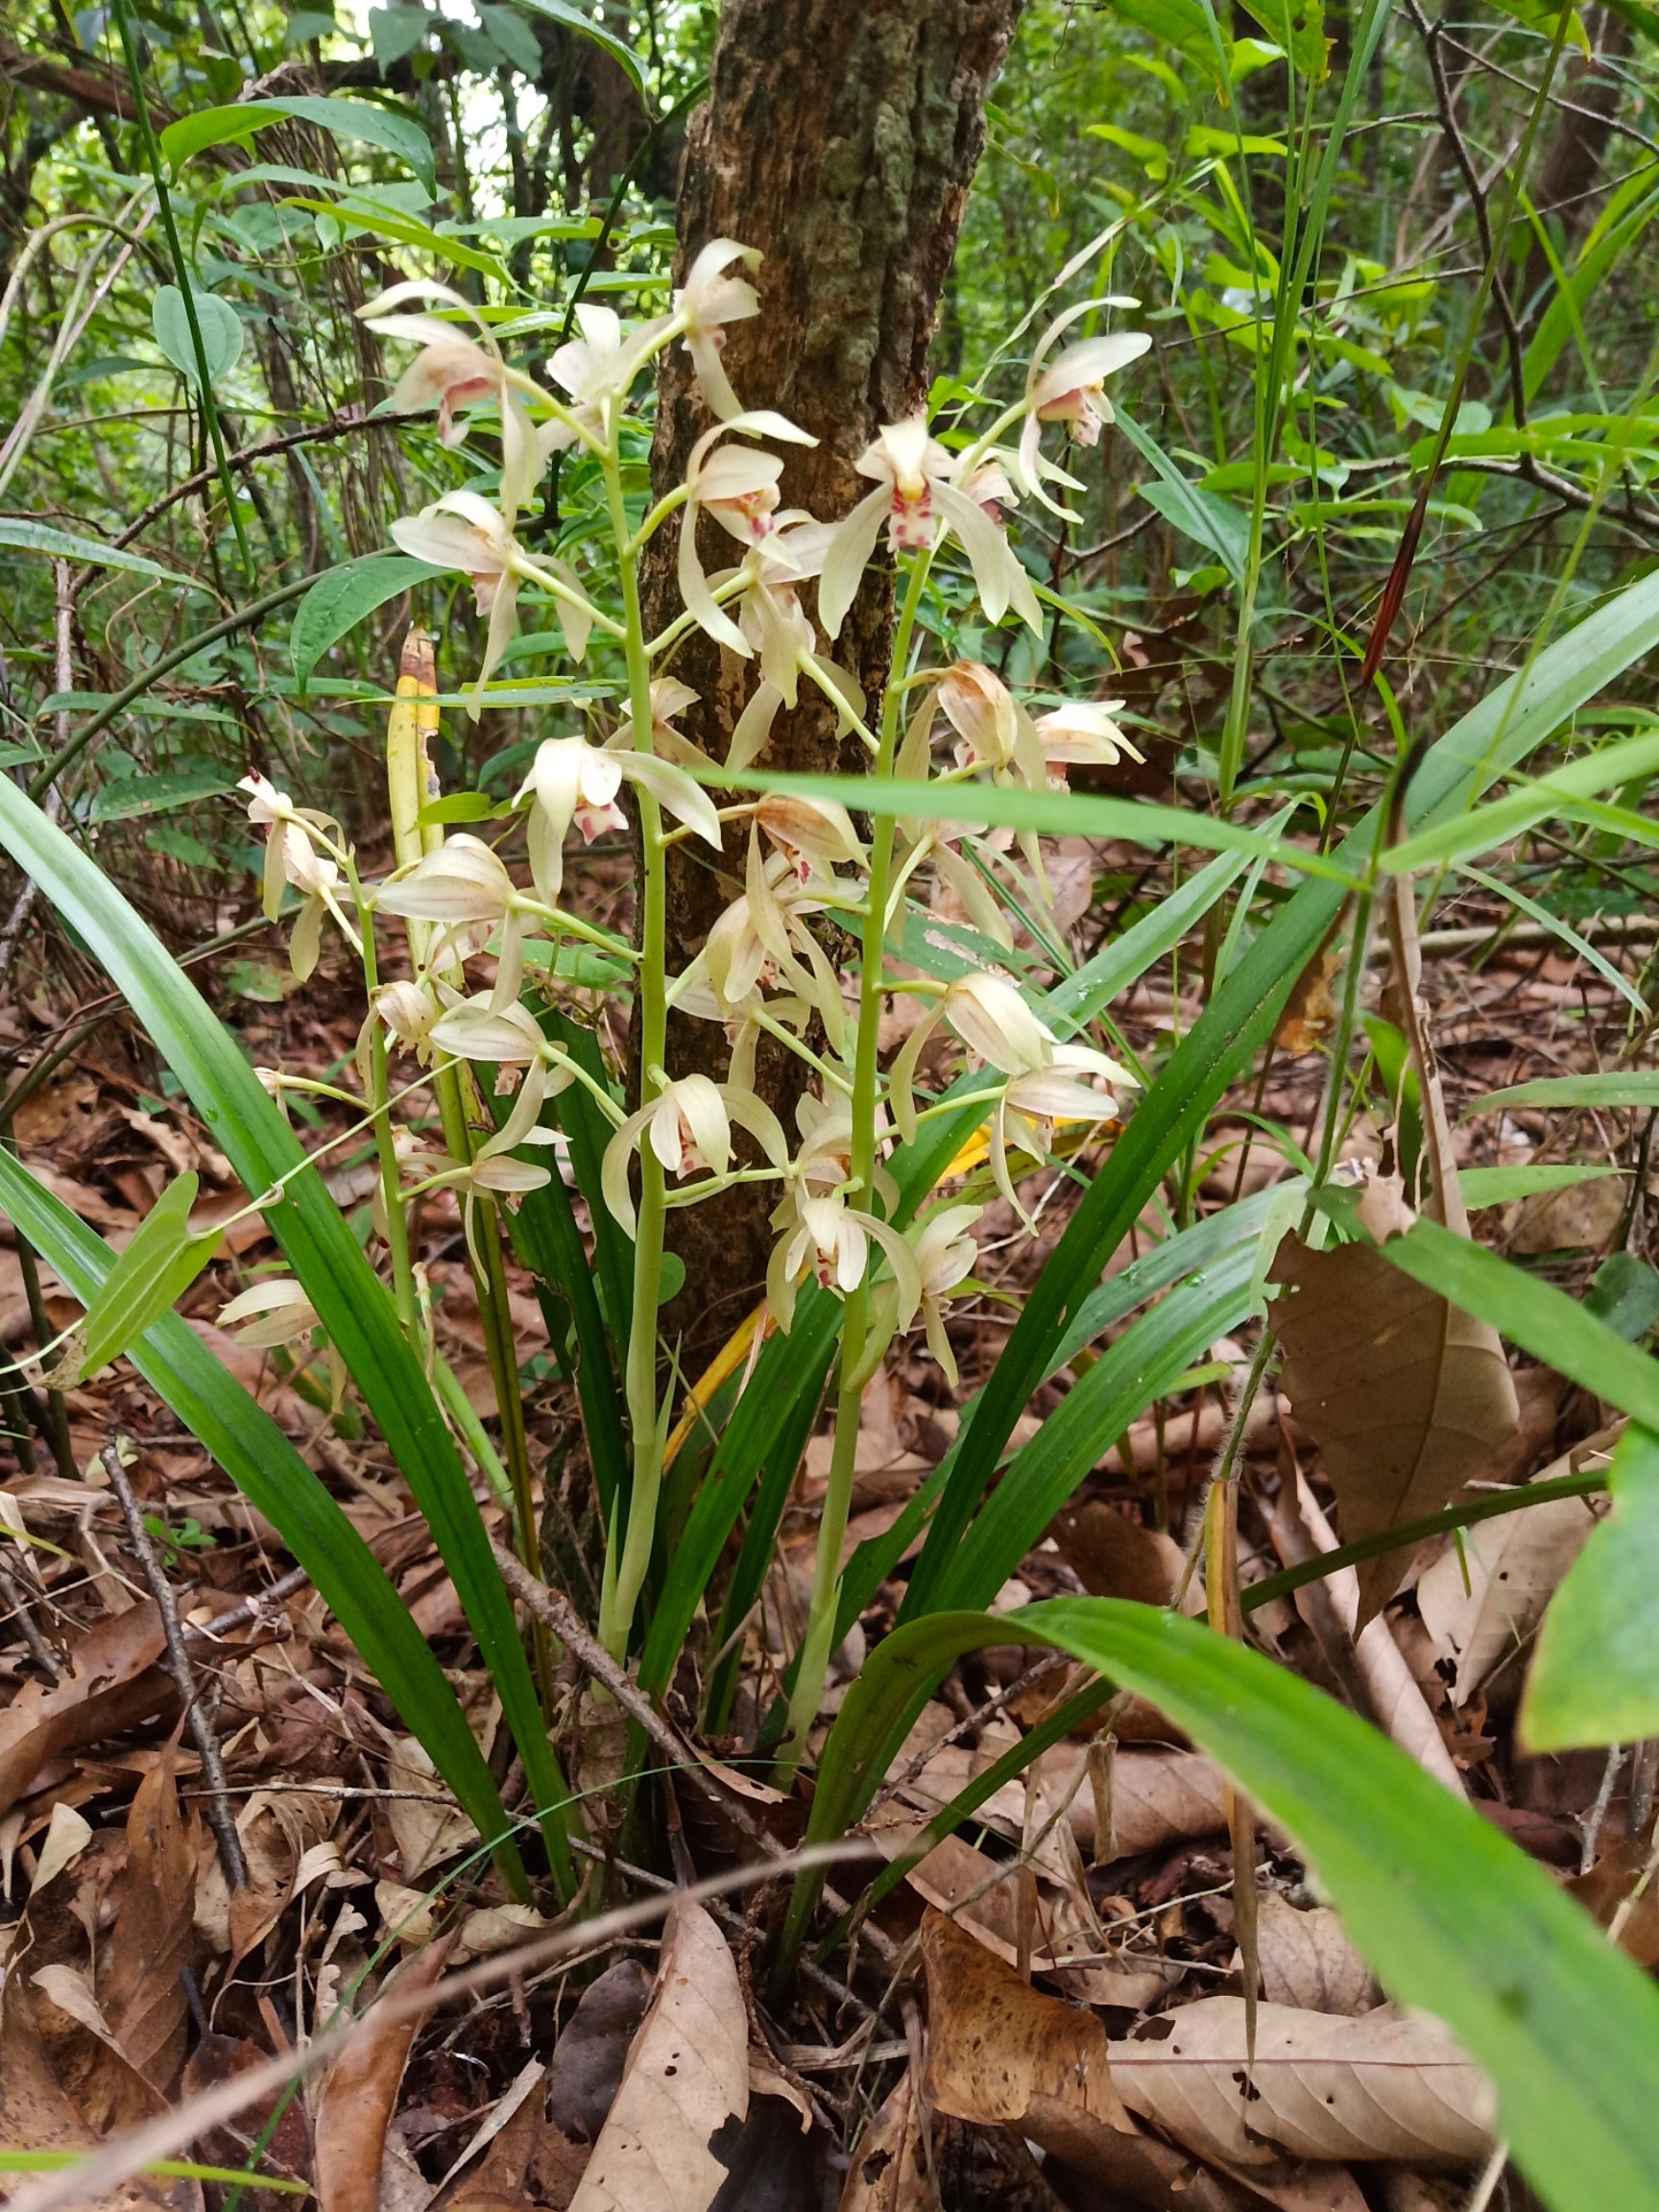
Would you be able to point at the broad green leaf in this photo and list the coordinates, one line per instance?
(588, 26)
(397, 31)
(511, 36)
(392, 133)
(1449, 1913)
(220, 325)
(1625, 1295)
(137, 796)
(1534, 1314)
(1205, 517)
(1595, 1676)
(1183, 24)
(353, 214)
(20, 534)
(354, 1307)
(339, 601)
(158, 1265)
(1632, 1087)
(271, 1475)
(1298, 26)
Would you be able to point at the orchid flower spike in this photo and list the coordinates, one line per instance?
(292, 858)
(1069, 389)
(1083, 731)
(918, 498)
(946, 1256)
(596, 372)
(494, 1171)
(831, 1239)
(1048, 1081)
(707, 301)
(463, 885)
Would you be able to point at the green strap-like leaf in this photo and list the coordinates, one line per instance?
(1448, 1912)
(1534, 1314)
(352, 1303)
(273, 1479)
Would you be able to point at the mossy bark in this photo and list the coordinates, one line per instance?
(840, 137)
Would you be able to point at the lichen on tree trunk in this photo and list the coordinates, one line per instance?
(840, 137)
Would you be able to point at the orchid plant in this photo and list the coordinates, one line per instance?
(449, 1027)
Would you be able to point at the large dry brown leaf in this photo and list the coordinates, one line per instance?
(111, 1681)
(1001, 2055)
(1407, 1396)
(359, 2096)
(1308, 1961)
(688, 2076)
(141, 1968)
(1514, 1565)
(1114, 1556)
(1380, 2086)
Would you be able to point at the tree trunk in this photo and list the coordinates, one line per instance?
(840, 137)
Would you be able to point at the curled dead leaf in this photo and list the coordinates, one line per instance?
(110, 1680)
(1000, 2054)
(1514, 1566)
(889, 2168)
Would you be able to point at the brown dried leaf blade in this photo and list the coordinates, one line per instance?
(1321, 2087)
(1407, 1396)
(1002, 2054)
(688, 2076)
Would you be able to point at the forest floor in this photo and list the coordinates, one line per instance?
(1106, 1881)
